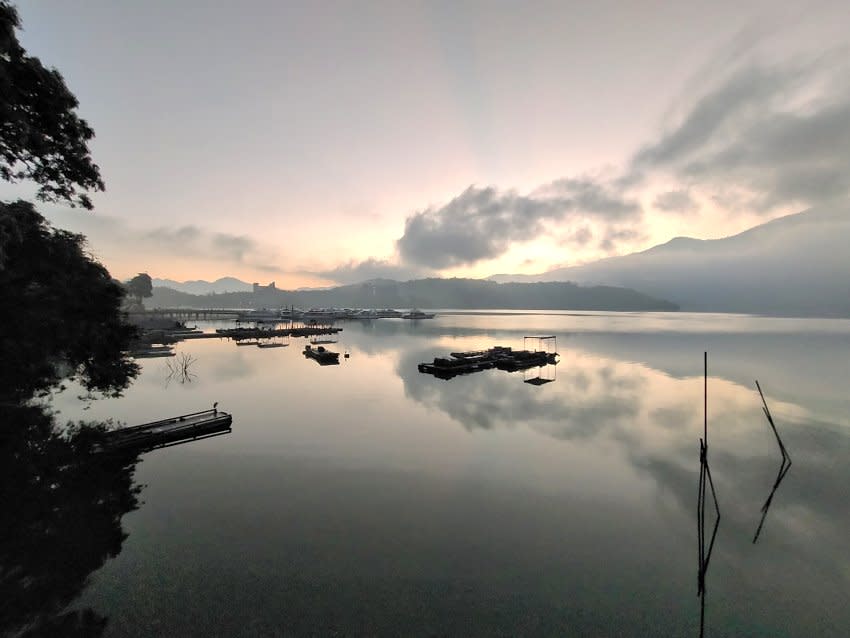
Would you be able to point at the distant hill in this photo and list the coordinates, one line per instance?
(793, 265)
(201, 287)
(426, 293)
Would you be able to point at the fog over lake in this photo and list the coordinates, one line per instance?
(370, 499)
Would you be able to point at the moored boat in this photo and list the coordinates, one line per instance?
(417, 314)
(320, 354)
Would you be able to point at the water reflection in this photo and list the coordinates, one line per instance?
(62, 505)
(485, 505)
(180, 369)
(654, 418)
(783, 467)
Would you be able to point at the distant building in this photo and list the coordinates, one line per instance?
(260, 288)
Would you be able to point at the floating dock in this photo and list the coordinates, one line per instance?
(151, 351)
(171, 431)
(500, 357)
(260, 333)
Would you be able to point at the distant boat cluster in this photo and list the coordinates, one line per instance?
(327, 315)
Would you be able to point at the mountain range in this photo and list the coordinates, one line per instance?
(797, 265)
(793, 265)
(201, 287)
(426, 293)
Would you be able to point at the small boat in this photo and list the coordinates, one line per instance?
(524, 359)
(316, 341)
(260, 316)
(417, 314)
(247, 342)
(273, 344)
(324, 357)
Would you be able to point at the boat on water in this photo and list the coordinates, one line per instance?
(317, 341)
(492, 352)
(320, 354)
(447, 368)
(522, 359)
(417, 314)
(260, 315)
(375, 313)
(273, 344)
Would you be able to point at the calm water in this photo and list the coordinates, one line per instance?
(368, 499)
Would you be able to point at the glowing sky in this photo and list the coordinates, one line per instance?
(301, 141)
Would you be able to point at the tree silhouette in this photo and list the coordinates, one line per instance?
(61, 311)
(140, 286)
(41, 136)
(62, 507)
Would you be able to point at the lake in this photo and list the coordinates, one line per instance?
(368, 499)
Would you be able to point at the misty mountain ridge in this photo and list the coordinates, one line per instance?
(426, 293)
(202, 287)
(793, 265)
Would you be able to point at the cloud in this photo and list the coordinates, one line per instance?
(235, 247)
(482, 223)
(578, 237)
(614, 236)
(354, 272)
(767, 137)
(676, 201)
(173, 237)
(114, 238)
(194, 241)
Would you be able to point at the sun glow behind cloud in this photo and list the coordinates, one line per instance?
(316, 143)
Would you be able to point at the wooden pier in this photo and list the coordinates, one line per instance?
(179, 429)
(187, 313)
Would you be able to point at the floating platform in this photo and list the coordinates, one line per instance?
(151, 352)
(171, 431)
(501, 357)
(259, 333)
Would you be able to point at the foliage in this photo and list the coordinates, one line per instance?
(41, 136)
(140, 286)
(61, 311)
(63, 503)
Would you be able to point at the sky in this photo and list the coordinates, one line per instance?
(312, 143)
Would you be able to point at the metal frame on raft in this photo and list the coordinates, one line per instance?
(545, 340)
(541, 375)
